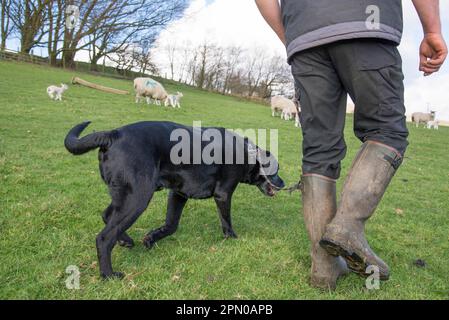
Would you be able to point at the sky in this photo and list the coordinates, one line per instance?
(238, 22)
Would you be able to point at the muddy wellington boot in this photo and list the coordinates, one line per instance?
(319, 206)
(369, 176)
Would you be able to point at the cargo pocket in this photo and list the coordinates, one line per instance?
(375, 55)
(299, 67)
(379, 75)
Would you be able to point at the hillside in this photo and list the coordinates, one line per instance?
(51, 201)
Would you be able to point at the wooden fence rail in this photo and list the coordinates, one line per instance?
(17, 56)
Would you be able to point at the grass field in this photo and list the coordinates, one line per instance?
(51, 201)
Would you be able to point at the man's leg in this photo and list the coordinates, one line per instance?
(323, 108)
(371, 72)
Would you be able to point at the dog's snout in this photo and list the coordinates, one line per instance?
(282, 184)
(278, 182)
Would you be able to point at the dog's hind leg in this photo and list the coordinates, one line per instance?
(129, 205)
(124, 240)
(224, 211)
(175, 206)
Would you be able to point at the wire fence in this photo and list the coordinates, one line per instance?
(85, 67)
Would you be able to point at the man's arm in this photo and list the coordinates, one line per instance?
(271, 12)
(433, 50)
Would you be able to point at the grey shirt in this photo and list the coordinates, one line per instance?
(311, 23)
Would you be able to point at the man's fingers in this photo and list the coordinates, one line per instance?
(428, 71)
(423, 57)
(438, 61)
(430, 67)
(432, 64)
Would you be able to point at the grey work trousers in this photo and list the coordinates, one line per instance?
(370, 71)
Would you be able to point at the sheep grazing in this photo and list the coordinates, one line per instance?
(150, 89)
(55, 92)
(433, 124)
(420, 117)
(291, 112)
(278, 104)
(174, 100)
(289, 109)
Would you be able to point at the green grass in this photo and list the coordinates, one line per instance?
(51, 201)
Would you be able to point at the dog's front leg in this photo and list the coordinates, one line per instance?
(224, 210)
(175, 205)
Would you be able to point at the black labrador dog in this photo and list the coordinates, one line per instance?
(192, 162)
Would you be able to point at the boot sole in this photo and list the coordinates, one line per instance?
(354, 261)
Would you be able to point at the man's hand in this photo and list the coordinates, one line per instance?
(433, 50)
(432, 53)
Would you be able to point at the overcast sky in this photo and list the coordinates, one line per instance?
(238, 22)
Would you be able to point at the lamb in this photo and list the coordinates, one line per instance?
(291, 111)
(174, 100)
(433, 123)
(419, 117)
(55, 92)
(150, 89)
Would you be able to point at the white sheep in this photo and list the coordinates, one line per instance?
(174, 100)
(433, 124)
(291, 112)
(289, 108)
(278, 104)
(419, 117)
(55, 92)
(149, 89)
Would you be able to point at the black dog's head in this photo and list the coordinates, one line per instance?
(264, 174)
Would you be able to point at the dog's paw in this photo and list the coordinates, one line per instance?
(126, 242)
(113, 275)
(148, 241)
(230, 234)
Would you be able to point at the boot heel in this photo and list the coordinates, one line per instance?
(354, 261)
(331, 248)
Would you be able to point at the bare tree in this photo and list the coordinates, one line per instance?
(29, 18)
(125, 59)
(273, 73)
(133, 21)
(255, 68)
(232, 61)
(108, 26)
(5, 22)
(184, 59)
(91, 15)
(230, 70)
(203, 51)
(145, 62)
(170, 50)
(56, 9)
(192, 66)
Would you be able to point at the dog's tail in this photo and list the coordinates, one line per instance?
(77, 146)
